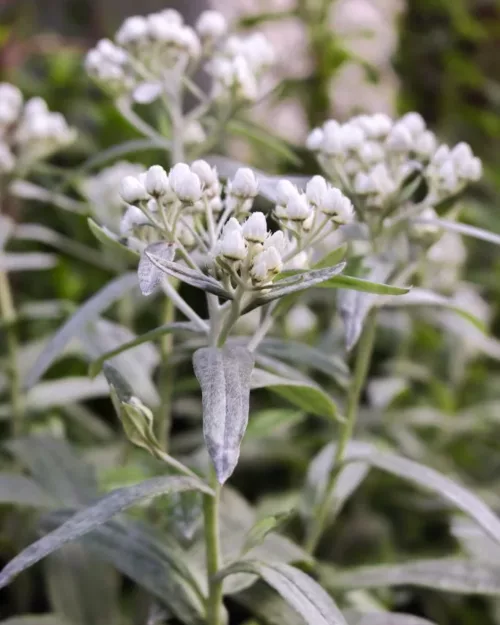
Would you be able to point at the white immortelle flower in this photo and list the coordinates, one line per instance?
(133, 30)
(207, 175)
(364, 184)
(7, 159)
(425, 144)
(447, 176)
(332, 138)
(384, 182)
(298, 208)
(244, 184)
(315, 140)
(132, 190)
(414, 122)
(185, 184)
(441, 155)
(371, 152)
(255, 49)
(109, 65)
(316, 189)
(352, 136)
(11, 102)
(284, 191)
(266, 264)
(336, 204)
(399, 139)
(374, 126)
(300, 320)
(157, 181)
(211, 25)
(232, 245)
(233, 77)
(276, 240)
(132, 218)
(467, 165)
(255, 228)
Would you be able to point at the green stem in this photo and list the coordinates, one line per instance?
(361, 366)
(8, 317)
(164, 416)
(213, 557)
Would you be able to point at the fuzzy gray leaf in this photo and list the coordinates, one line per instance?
(21, 491)
(93, 516)
(27, 261)
(224, 376)
(465, 229)
(149, 274)
(384, 618)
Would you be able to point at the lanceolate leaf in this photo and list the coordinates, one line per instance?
(86, 313)
(304, 393)
(298, 589)
(27, 261)
(21, 491)
(224, 377)
(384, 618)
(354, 308)
(424, 297)
(149, 273)
(432, 480)
(448, 574)
(93, 516)
(364, 286)
(64, 391)
(112, 241)
(465, 229)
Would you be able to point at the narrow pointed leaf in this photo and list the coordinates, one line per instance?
(87, 519)
(354, 308)
(111, 241)
(299, 590)
(447, 574)
(149, 274)
(261, 529)
(64, 391)
(21, 491)
(465, 229)
(89, 311)
(27, 261)
(303, 393)
(224, 376)
(363, 286)
(384, 618)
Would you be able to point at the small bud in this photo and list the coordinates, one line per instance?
(448, 176)
(185, 184)
(352, 136)
(364, 184)
(255, 228)
(132, 190)
(7, 159)
(336, 204)
(132, 30)
(277, 240)
(399, 139)
(133, 217)
(382, 125)
(314, 140)
(232, 245)
(244, 183)
(207, 174)
(473, 170)
(284, 191)
(300, 320)
(425, 144)
(442, 154)
(332, 138)
(211, 25)
(414, 122)
(297, 208)
(157, 181)
(316, 189)
(371, 152)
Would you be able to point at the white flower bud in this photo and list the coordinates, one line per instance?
(316, 189)
(255, 228)
(441, 155)
(299, 261)
(352, 136)
(284, 191)
(266, 264)
(399, 139)
(211, 25)
(157, 181)
(364, 184)
(133, 217)
(132, 190)
(7, 160)
(185, 184)
(332, 138)
(314, 140)
(244, 183)
(425, 144)
(276, 240)
(11, 101)
(414, 122)
(448, 176)
(232, 244)
(207, 175)
(384, 183)
(473, 170)
(371, 152)
(461, 152)
(298, 209)
(300, 320)
(382, 125)
(132, 30)
(273, 259)
(336, 204)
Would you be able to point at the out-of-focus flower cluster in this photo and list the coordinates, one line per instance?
(151, 55)
(29, 132)
(371, 157)
(190, 207)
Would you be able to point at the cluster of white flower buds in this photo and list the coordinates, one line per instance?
(372, 156)
(149, 52)
(28, 132)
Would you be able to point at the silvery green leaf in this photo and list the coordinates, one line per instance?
(363, 286)
(432, 480)
(155, 562)
(27, 261)
(89, 311)
(475, 542)
(258, 532)
(299, 590)
(65, 390)
(294, 284)
(302, 354)
(56, 467)
(384, 618)
(266, 423)
(115, 379)
(424, 297)
(302, 392)
(189, 276)
(6, 229)
(354, 307)
(149, 273)
(224, 376)
(147, 92)
(447, 574)
(29, 191)
(111, 241)
(91, 517)
(266, 605)
(465, 229)
(35, 619)
(20, 490)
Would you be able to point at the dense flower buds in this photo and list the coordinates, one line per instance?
(132, 190)
(211, 25)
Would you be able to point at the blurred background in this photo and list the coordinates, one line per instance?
(336, 58)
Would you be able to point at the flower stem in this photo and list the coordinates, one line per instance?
(361, 366)
(164, 415)
(213, 555)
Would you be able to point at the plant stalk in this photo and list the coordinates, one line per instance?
(164, 416)
(361, 366)
(213, 552)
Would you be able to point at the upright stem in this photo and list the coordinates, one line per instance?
(213, 555)
(164, 415)
(361, 366)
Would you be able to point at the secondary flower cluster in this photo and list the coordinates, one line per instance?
(372, 156)
(151, 54)
(189, 206)
(29, 132)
